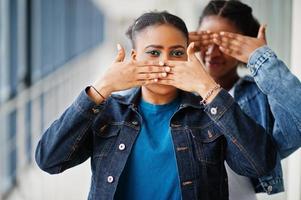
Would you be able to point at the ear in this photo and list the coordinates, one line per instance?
(133, 54)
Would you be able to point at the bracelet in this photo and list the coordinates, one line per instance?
(209, 93)
(98, 92)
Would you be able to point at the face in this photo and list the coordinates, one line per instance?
(160, 43)
(218, 65)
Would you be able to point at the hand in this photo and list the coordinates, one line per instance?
(201, 39)
(122, 75)
(189, 75)
(239, 46)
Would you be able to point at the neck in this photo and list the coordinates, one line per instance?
(159, 99)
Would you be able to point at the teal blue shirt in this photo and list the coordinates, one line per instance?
(151, 170)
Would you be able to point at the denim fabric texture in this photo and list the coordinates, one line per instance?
(203, 138)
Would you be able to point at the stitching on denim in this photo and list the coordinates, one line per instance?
(244, 152)
(258, 63)
(77, 141)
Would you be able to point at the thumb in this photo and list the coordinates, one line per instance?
(261, 32)
(190, 52)
(121, 54)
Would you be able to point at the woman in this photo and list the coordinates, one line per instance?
(228, 36)
(159, 142)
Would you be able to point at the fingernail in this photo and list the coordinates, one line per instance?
(192, 45)
(156, 80)
(118, 47)
(164, 74)
(161, 63)
(167, 69)
(215, 40)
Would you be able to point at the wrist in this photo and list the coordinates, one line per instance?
(104, 89)
(209, 93)
(99, 92)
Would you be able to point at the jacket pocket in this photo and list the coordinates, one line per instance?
(209, 144)
(104, 139)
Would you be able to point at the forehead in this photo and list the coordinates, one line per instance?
(164, 35)
(217, 24)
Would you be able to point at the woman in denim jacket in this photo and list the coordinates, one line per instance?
(229, 35)
(161, 141)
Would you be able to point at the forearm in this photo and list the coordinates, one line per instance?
(275, 80)
(66, 142)
(250, 150)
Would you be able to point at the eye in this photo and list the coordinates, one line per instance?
(177, 53)
(154, 52)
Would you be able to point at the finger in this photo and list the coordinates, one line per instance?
(261, 32)
(150, 69)
(147, 63)
(235, 36)
(192, 33)
(152, 81)
(190, 52)
(146, 82)
(234, 52)
(200, 38)
(172, 64)
(227, 41)
(121, 54)
(148, 76)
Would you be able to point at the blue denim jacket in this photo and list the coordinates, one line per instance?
(203, 138)
(271, 97)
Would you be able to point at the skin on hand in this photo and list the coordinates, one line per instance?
(239, 46)
(154, 46)
(189, 75)
(201, 39)
(122, 75)
(233, 44)
(167, 44)
(222, 65)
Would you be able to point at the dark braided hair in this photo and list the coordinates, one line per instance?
(237, 12)
(155, 18)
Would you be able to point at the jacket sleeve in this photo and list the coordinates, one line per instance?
(250, 149)
(67, 142)
(283, 90)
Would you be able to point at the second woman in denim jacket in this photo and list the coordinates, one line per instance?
(229, 35)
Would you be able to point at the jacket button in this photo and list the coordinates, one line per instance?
(95, 110)
(213, 111)
(135, 123)
(121, 147)
(270, 189)
(110, 179)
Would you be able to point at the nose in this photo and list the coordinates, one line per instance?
(165, 57)
(213, 50)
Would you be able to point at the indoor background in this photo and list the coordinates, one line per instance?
(51, 49)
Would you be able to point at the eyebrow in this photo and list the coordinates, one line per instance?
(161, 47)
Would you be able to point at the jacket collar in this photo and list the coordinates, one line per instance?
(132, 98)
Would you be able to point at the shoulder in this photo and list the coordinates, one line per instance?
(246, 89)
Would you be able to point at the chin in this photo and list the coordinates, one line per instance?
(161, 89)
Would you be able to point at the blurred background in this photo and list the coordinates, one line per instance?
(51, 49)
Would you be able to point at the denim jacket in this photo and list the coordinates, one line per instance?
(203, 138)
(271, 97)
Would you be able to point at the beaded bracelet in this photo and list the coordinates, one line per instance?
(98, 92)
(209, 93)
